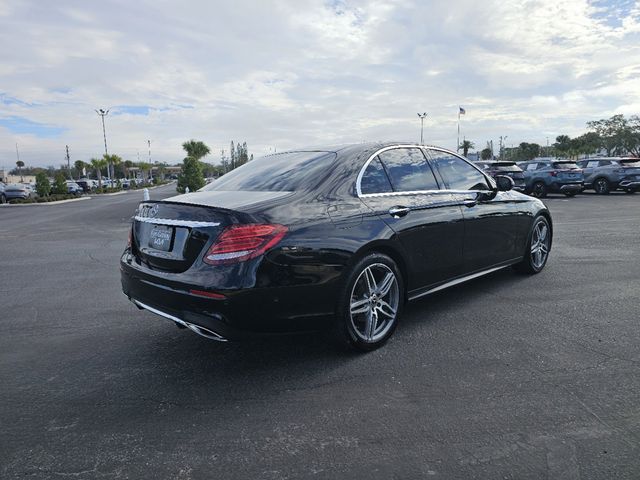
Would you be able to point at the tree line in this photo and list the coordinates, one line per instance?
(614, 136)
(100, 167)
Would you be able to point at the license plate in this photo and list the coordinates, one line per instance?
(160, 238)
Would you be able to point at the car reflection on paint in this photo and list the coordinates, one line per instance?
(328, 238)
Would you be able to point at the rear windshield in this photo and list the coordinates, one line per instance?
(507, 167)
(565, 165)
(284, 172)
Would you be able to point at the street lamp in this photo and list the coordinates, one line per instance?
(422, 117)
(103, 113)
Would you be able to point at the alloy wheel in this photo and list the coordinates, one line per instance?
(374, 303)
(539, 190)
(602, 186)
(540, 241)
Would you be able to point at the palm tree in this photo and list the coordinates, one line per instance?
(195, 149)
(127, 165)
(98, 164)
(144, 168)
(79, 165)
(466, 145)
(20, 164)
(112, 160)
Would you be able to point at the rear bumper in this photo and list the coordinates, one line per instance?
(239, 313)
(629, 183)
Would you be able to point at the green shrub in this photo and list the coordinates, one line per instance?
(59, 185)
(191, 176)
(43, 187)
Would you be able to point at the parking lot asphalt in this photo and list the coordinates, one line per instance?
(508, 376)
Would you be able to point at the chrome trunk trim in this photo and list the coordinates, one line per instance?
(175, 223)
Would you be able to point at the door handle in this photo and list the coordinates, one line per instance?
(470, 203)
(397, 212)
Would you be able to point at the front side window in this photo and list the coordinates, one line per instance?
(374, 179)
(592, 164)
(408, 170)
(458, 174)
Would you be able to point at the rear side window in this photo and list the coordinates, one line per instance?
(408, 170)
(458, 174)
(532, 166)
(593, 164)
(374, 179)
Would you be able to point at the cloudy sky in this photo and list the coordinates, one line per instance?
(284, 74)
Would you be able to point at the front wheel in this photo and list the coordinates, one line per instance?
(3, 199)
(370, 303)
(631, 190)
(570, 194)
(538, 247)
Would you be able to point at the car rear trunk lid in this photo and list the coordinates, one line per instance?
(170, 235)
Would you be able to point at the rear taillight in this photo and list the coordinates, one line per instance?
(553, 173)
(242, 242)
(129, 239)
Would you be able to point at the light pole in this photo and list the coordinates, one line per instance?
(422, 117)
(502, 144)
(103, 113)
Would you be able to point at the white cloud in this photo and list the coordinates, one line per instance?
(288, 74)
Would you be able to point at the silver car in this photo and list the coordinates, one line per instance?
(18, 190)
(607, 174)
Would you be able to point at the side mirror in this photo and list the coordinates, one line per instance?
(504, 183)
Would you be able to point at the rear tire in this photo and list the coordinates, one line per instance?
(601, 186)
(570, 194)
(539, 190)
(631, 190)
(538, 247)
(3, 199)
(370, 303)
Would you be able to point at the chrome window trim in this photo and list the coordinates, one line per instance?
(425, 150)
(424, 192)
(175, 223)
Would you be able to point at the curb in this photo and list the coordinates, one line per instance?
(58, 202)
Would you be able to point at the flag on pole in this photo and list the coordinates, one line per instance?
(462, 111)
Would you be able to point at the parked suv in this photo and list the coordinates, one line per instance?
(611, 173)
(552, 176)
(510, 169)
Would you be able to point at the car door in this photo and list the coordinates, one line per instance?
(588, 171)
(400, 187)
(493, 221)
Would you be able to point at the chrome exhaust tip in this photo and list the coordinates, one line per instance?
(202, 331)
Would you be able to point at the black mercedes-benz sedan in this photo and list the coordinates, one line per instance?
(334, 238)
